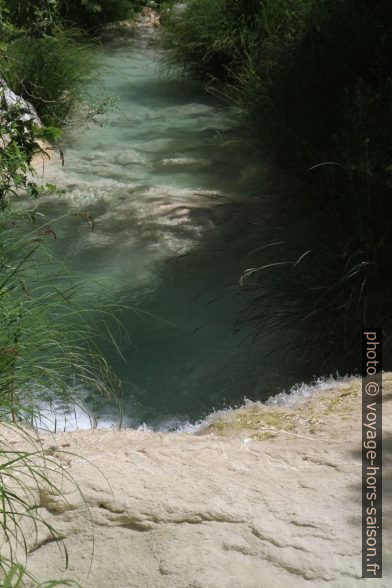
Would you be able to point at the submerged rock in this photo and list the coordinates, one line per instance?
(229, 508)
(147, 18)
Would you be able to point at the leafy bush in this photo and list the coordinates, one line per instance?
(44, 16)
(91, 14)
(19, 141)
(38, 17)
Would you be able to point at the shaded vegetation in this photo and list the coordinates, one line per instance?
(46, 55)
(51, 72)
(313, 80)
(92, 14)
(48, 340)
(46, 15)
(50, 355)
(44, 62)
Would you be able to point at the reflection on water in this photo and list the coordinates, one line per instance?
(166, 179)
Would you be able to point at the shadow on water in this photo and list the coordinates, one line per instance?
(169, 181)
(186, 359)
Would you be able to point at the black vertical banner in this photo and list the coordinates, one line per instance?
(371, 453)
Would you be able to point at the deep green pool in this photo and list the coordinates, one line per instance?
(167, 176)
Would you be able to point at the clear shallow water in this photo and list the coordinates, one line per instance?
(157, 178)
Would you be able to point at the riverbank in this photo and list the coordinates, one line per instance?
(326, 121)
(227, 508)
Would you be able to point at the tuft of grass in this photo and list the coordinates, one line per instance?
(17, 574)
(203, 38)
(48, 338)
(23, 475)
(49, 354)
(51, 72)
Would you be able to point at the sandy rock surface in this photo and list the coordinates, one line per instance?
(147, 18)
(42, 160)
(230, 508)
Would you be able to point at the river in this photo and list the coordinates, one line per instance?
(167, 175)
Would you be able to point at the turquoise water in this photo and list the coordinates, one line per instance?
(167, 176)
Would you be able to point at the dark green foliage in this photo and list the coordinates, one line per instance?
(48, 340)
(48, 61)
(203, 38)
(51, 72)
(19, 140)
(342, 43)
(217, 37)
(313, 79)
(91, 14)
(39, 17)
(44, 16)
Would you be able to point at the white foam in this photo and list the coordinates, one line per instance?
(301, 392)
(57, 419)
(297, 394)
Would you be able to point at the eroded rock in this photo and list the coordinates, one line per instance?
(226, 509)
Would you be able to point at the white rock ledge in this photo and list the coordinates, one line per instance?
(228, 509)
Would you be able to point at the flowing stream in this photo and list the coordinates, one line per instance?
(166, 177)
